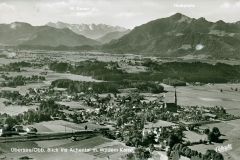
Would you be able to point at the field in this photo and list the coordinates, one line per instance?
(98, 143)
(231, 130)
(63, 126)
(13, 109)
(51, 75)
(193, 137)
(208, 95)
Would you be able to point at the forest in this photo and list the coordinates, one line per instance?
(177, 73)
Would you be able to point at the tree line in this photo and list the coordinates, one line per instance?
(172, 72)
(106, 87)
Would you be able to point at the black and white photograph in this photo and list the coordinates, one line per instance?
(119, 79)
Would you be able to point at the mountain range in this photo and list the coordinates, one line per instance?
(93, 31)
(19, 33)
(179, 35)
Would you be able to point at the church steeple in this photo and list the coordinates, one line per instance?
(175, 96)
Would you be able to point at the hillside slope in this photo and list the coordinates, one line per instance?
(18, 33)
(112, 36)
(180, 35)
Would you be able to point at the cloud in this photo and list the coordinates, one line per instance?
(77, 8)
(6, 7)
(238, 4)
(54, 4)
(83, 11)
(84, 14)
(127, 14)
(180, 5)
(228, 5)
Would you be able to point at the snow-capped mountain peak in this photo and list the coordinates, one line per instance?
(93, 31)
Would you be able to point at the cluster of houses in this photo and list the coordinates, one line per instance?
(98, 106)
(6, 130)
(158, 127)
(196, 115)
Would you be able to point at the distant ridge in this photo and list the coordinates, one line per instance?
(93, 31)
(19, 33)
(180, 35)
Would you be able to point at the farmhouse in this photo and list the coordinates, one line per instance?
(158, 127)
(18, 128)
(2, 131)
(209, 115)
(31, 130)
(7, 131)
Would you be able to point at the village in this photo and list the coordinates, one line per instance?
(151, 122)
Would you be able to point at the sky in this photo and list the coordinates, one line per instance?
(126, 13)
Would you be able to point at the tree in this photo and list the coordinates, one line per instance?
(172, 140)
(10, 122)
(214, 135)
(218, 156)
(119, 121)
(152, 148)
(142, 153)
(130, 156)
(178, 147)
(139, 153)
(212, 154)
(149, 139)
(206, 131)
(188, 152)
(216, 132)
(210, 137)
(63, 117)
